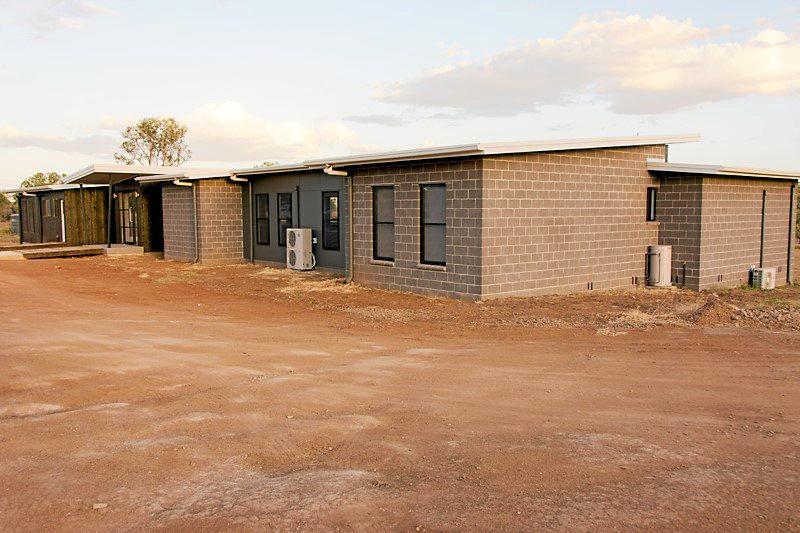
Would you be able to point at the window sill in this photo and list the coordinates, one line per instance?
(435, 268)
(653, 222)
(381, 262)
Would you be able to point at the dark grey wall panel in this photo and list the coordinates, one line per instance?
(306, 189)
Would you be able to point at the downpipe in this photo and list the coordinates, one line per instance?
(329, 170)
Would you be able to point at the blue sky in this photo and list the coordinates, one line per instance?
(259, 80)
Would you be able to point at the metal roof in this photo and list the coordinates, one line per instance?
(475, 149)
(105, 174)
(720, 170)
(47, 188)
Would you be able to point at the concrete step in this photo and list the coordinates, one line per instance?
(30, 246)
(66, 251)
(124, 249)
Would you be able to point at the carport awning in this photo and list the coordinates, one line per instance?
(110, 174)
(106, 174)
(46, 188)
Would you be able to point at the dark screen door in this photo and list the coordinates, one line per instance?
(126, 218)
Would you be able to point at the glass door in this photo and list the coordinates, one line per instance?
(126, 218)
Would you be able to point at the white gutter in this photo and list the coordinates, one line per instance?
(180, 183)
(237, 179)
(331, 172)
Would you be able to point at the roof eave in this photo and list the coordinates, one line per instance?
(719, 170)
(398, 156)
(585, 144)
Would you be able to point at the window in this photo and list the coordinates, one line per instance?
(433, 224)
(262, 218)
(383, 223)
(651, 203)
(330, 220)
(49, 210)
(284, 216)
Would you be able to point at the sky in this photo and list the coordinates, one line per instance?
(287, 81)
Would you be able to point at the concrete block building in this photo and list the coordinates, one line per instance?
(202, 216)
(722, 221)
(494, 220)
(475, 221)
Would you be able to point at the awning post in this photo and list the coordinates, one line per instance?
(110, 204)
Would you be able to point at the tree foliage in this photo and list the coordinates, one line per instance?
(7, 207)
(42, 178)
(154, 142)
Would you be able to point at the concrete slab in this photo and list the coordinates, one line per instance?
(9, 255)
(118, 249)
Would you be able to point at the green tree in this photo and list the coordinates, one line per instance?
(7, 207)
(154, 142)
(42, 178)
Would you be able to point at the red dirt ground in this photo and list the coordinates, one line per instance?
(138, 394)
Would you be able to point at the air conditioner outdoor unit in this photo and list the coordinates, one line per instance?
(764, 278)
(298, 249)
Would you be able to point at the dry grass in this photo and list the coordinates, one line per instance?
(5, 234)
(293, 282)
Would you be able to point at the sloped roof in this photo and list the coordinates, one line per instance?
(721, 170)
(474, 149)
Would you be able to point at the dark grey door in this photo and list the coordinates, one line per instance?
(53, 223)
(30, 219)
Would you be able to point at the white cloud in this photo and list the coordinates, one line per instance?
(116, 123)
(452, 51)
(92, 144)
(46, 16)
(378, 119)
(226, 131)
(640, 65)
(219, 131)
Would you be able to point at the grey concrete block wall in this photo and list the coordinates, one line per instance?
(517, 225)
(178, 213)
(219, 221)
(461, 278)
(557, 222)
(678, 211)
(219, 205)
(714, 225)
(731, 231)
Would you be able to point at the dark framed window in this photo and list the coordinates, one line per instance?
(262, 218)
(433, 224)
(651, 203)
(383, 223)
(49, 209)
(330, 220)
(284, 216)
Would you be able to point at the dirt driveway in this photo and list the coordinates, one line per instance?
(139, 395)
